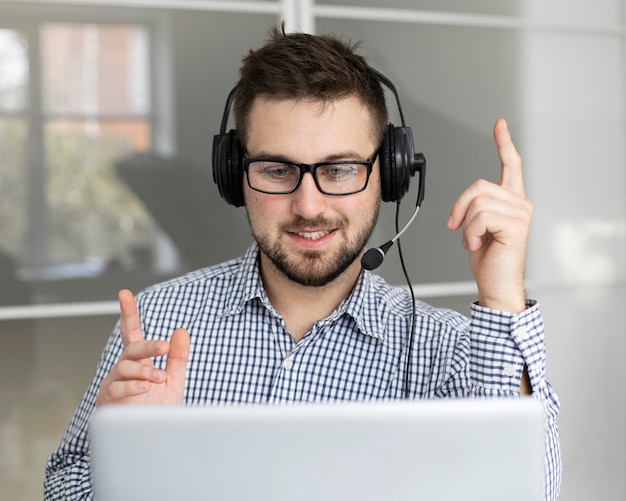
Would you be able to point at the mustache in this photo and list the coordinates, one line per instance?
(320, 223)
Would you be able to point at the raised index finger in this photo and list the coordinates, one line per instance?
(510, 161)
(130, 325)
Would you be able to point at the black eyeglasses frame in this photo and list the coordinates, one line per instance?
(312, 169)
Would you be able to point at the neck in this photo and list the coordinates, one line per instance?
(300, 305)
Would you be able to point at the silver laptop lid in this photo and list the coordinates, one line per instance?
(431, 450)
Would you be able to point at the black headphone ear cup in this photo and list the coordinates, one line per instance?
(228, 167)
(404, 158)
(236, 170)
(386, 162)
(397, 162)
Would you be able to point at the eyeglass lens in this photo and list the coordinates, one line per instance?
(282, 177)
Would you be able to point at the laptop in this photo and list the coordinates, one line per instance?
(466, 449)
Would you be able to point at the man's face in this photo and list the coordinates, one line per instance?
(307, 236)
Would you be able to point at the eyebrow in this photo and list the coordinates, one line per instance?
(334, 157)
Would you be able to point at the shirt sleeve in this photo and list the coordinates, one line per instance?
(501, 345)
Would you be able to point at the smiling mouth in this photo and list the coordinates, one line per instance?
(313, 235)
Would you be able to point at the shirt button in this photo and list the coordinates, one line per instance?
(523, 334)
(287, 363)
(509, 370)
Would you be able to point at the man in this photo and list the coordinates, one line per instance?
(297, 318)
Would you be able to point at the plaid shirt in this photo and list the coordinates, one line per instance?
(241, 352)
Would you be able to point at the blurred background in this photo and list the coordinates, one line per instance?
(85, 84)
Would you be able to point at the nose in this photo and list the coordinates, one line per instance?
(308, 202)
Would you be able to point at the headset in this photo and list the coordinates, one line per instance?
(397, 158)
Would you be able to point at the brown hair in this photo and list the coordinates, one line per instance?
(299, 65)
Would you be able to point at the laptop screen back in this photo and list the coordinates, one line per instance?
(432, 450)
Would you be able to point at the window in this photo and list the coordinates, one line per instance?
(13, 135)
(74, 97)
(96, 108)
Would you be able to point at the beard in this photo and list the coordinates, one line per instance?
(316, 268)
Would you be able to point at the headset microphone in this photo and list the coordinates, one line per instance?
(374, 257)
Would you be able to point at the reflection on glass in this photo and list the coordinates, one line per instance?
(95, 99)
(13, 71)
(95, 69)
(94, 219)
(13, 185)
(13, 172)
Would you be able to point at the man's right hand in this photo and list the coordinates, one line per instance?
(134, 379)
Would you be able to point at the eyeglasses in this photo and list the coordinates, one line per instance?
(280, 177)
